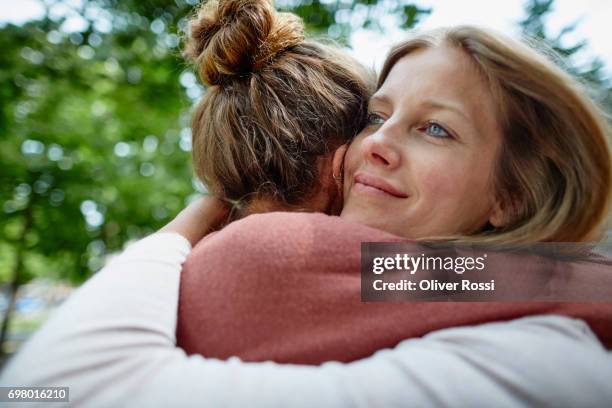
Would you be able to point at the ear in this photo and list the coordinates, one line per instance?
(338, 163)
(328, 199)
(500, 214)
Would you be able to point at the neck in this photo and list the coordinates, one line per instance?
(264, 205)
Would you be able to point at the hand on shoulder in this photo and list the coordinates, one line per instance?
(202, 216)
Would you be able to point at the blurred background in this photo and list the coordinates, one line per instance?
(95, 105)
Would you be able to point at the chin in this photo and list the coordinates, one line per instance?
(370, 219)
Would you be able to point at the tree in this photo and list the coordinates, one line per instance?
(591, 72)
(94, 149)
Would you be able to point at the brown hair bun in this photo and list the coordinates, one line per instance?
(234, 37)
(278, 104)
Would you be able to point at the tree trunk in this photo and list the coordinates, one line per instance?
(17, 277)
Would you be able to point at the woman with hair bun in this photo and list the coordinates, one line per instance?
(441, 157)
(277, 106)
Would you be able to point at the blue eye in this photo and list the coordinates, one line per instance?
(375, 119)
(435, 130)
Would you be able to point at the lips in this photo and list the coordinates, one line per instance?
(380, 184)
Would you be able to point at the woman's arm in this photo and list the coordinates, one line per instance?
(113, 344)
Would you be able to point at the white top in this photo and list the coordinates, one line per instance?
(113, 343)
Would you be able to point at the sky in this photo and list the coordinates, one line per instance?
(594, 18)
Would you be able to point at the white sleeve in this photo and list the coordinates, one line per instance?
(113, 344)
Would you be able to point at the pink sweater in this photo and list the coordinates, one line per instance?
(287, 287)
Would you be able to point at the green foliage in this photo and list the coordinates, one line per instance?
(591, 72)
(91, 130)
(338, 19)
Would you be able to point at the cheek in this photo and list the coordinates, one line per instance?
(452, 199)
(352, 159)
(452, 185)
(437, 180)
(351, 156)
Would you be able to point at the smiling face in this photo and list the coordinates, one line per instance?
(424, 164)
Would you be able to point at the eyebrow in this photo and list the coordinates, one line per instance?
(431, 103)
(380, 98)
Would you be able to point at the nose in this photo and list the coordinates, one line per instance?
(378, 149)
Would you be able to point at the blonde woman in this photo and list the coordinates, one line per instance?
(471, 137)
(441, 157)
(489, 141)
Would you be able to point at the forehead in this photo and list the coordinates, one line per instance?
(442, 75)
(442, 71)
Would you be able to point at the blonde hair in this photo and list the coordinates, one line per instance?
(554, 167)
(276, 102)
